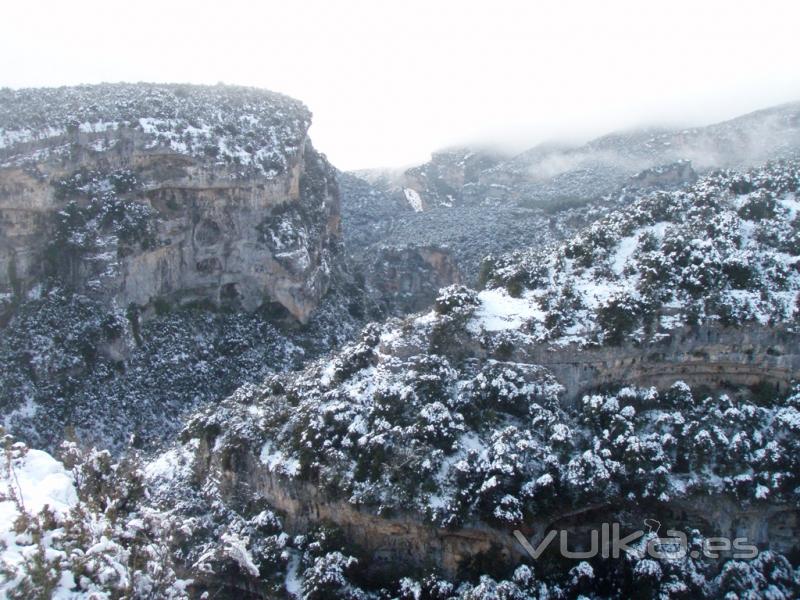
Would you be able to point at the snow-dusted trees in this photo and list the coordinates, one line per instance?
(78, 529)
(327, 578)
(709, 253)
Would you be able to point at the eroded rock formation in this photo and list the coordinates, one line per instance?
(168, 202)
(711, 355)
(407, 539)
(408, 279)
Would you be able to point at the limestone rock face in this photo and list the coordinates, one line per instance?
(709, 354)
(165, 194)
(664, 176)
(441, 181)
(407, 539)
(408, 279)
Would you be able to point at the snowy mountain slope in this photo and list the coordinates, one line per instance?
(160, 245)
(424, 439)
(559, 172)
(452, 424)
(604, 164)
(725, 249)
(478, 202)
(467, 233)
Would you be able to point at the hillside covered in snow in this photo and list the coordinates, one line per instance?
(230, 371)
(726, 249)
(472, 202)
(468, 422)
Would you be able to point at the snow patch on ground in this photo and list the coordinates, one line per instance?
(172, 464)
(277, 462)
(792, 204)
(624, 251)
(627, 245)
(426, 319)
(294, 581)
(39, 479)
(596, 293)
(413, 199)
(499, 311)
(36, 480)
(26, 411)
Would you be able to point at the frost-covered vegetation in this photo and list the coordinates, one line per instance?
(87, 527)
(99, 222)
(394, 428)
(74, 529)
(727, 249)
(443, 420)
(433, 418)
(394, 425)
(167, 528)
(250, 130)
(73, 363)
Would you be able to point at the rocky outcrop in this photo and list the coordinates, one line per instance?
(409, 540)
(405, 280)
(664, 177)
(440, 182)
(210, 195)
(709, 355)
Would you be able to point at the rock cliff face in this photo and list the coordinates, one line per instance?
(304, 506)
(442, 181)
(151, 194)
(408, 279)
(400, 279)
(663, 177)
(710, 355)
(405, 538)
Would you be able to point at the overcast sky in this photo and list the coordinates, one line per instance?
(389, 82)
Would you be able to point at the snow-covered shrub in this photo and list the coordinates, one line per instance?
(618, 317)
(508, 388)
(77, 531)
(759, 206)
(327, 578)
(456, 301)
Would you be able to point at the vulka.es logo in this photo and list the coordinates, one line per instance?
(609, 543)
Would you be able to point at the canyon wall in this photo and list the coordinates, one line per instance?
(410, 540)
(407, 280)
(208, 226)
(708, 355)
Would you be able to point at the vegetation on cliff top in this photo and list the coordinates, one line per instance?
(253, 130)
